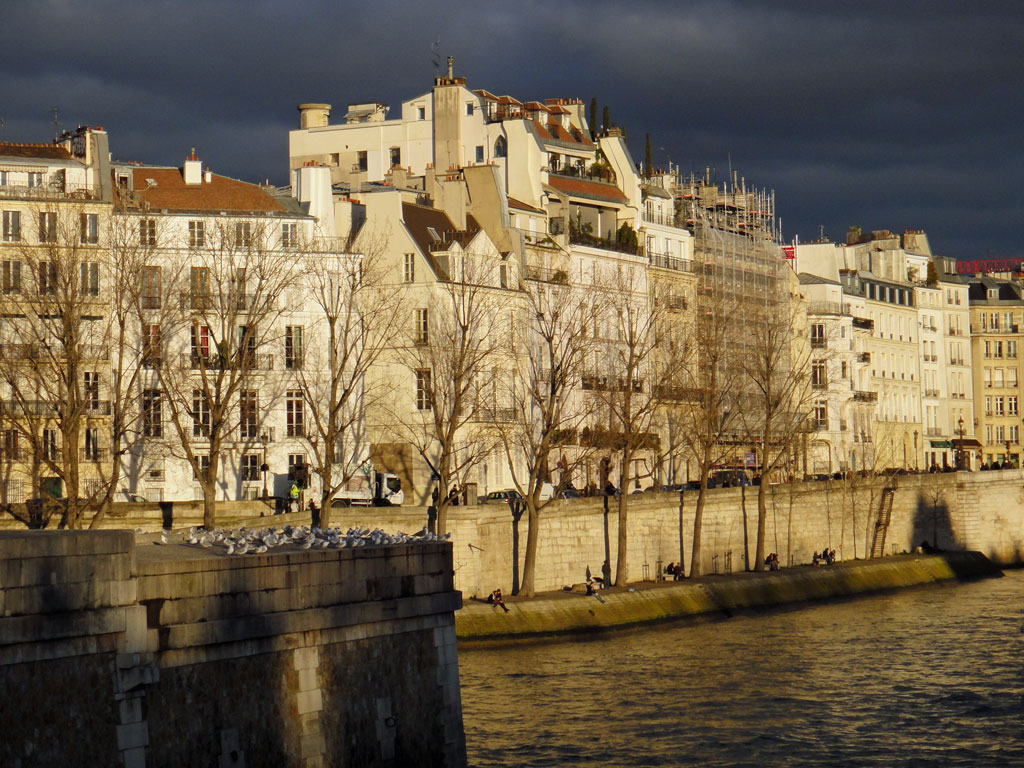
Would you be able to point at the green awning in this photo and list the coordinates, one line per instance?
(941, 444)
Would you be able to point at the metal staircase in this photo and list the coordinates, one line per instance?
(882, 521)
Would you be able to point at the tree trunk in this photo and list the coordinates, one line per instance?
(698, 519)
(622, 543)
(209, 504)
(762, 523)
(528, 585)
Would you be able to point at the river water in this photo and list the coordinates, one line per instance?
(926, 677)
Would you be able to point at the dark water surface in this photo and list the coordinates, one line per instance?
(925, 677)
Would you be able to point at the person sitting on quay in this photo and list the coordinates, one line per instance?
(495, 599)
(772, 561)
(816, 560)
(677, 572)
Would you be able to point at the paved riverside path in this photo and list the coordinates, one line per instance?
(549, 616)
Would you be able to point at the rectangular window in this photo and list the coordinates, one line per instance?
(151, 346)
(817, 335)
(424, 393)
(150, 293)
(196, 234)
(152, 414)
(90, 274)
(293, 347)
(479, 153)
(820, 415)
(243, 234)
(361, 160)
(294, 413)
(421, 330)
(199, 285)
(503, 275)
(396, 157)
(289, 237)
(248, 405)
(147, 232)
(1000, 433)
(997, 349)
(1011, 377)
(469, 109)
(200, 343)
(47, 227)
(12, 277)
(409, 268)
(12, 226)
(91, 390)
(247, 345)
(200, 414)
(421, 113)
(297, 466)
(12, 447)
(92, 444)
(89, 225)
(204, 467)
(988, 405)
(35, 179)
(819, 376)
(1011, 349)
(50, 446)
(1011, 405)
(998, 403)
(250, 469)
(47, 277)
(997, 379)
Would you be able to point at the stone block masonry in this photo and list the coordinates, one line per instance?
(982, 511)
(141, 655)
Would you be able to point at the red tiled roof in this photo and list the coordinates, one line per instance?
(417, 218)
(485, 94)
(509, 100)
(219, 194)
(585, 188)
(556, 132)
(35, 151)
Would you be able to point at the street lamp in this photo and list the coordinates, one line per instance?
(917, 463)
(960, 445)
(264, 466)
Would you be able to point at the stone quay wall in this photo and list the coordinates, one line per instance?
(981, 511)
(114, 652)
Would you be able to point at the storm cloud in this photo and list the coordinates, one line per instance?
(878, 114)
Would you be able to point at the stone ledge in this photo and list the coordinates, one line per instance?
(241, 629)
(479, 624)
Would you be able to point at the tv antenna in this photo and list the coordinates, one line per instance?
(435, 55)
(56, 123)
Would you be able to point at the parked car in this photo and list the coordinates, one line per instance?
(568, 493)
(502, 497)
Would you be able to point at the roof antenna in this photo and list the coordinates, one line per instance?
(56, 123)
(435, 55)
(3, 129)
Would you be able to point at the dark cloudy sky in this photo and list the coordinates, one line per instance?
(889, 114)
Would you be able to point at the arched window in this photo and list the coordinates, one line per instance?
(501, 147)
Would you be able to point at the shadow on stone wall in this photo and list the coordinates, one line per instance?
(932, 526)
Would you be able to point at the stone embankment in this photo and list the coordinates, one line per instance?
(554, 616)
(121, 650)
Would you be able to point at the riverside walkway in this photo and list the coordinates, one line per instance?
(550, 616)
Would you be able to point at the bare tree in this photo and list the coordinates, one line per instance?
(547, 409)
(55, 345)
(215, 344)
(455, 353)
(633, 375)
(776, 363)
(352, 327)
(704, 407)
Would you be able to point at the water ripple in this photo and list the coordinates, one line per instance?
(927, 677)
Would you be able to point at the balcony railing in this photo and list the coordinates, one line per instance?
(94, 454)
(817, 343)
(44, 352)
(865, 397)
(933, 432)
(577, 237)
(931, 393)
(53, 191)
(665, 261)
(546, 275)
(819, 385)
(828, 308)
(664, 219)
(218, 362)
(494, 415)
(864, 357)
(864, 323)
